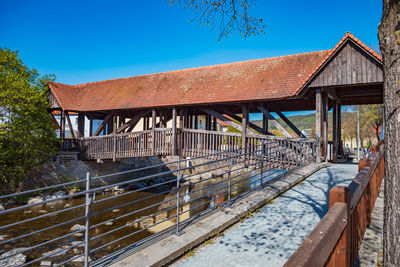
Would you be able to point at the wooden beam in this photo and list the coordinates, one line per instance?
(221, 117)
(133, 121)
(103, 124)
(290, 124)
(318, 122)
(71, 129)
(250, 124)
(274, 121)
(332, 95)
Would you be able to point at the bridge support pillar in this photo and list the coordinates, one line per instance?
(318, 122)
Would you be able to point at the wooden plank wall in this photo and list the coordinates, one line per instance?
(351, 65)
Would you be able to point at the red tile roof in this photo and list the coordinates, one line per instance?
(252, 80)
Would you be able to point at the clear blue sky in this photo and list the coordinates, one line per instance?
(84, 41)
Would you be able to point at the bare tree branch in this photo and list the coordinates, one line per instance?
(224, 16)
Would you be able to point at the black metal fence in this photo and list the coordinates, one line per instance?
(88, 219)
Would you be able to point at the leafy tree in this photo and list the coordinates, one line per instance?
(224, 16)
(373, 117)
(27, 136)
(389, 41)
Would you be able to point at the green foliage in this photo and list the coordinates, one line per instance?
(27, 136)
(371, 118)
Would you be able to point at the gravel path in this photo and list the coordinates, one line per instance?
(271, 236)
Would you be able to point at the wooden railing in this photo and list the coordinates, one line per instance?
(195, 143)
(126, 145)
(336, 239)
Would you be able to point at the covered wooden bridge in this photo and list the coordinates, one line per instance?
(176, 112)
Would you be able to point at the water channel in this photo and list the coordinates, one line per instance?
(196, 197)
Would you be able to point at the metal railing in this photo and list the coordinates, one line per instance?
(337, 238)
(102, 215)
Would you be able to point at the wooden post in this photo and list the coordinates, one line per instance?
(161, 118)
(153, 131)
(186, 120)
(90, 125)
(341, 256)
(335, 133)
(214, 124)
(196, 121)
(325, 125)
(339, 129)
(174, 131)
(62, 128)
(110, 125)
(81, 125)
(245, 115)
(181, 119)
(318, 122)
(115, 138)
(265, 122)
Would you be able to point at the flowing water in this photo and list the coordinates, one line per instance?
(194, 197)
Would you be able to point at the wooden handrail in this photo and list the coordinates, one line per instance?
(193, 143)
(318, 246)
(327, 247)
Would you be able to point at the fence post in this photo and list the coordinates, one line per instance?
(362, 163)
(115, 138)
(262, 164)
(178, 178)
(229, 177)
(342, 253)
(87, 224)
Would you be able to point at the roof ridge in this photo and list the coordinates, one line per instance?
(348, 35)
(198, 68)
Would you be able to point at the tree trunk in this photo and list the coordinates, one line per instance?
(388, 39)
(378, 138)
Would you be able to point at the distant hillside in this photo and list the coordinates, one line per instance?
(302, 122)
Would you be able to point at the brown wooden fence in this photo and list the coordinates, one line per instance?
(194, 143)
(336, 239)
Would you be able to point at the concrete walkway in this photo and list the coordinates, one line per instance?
(270, 236)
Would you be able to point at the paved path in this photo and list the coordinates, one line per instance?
(271, 236)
